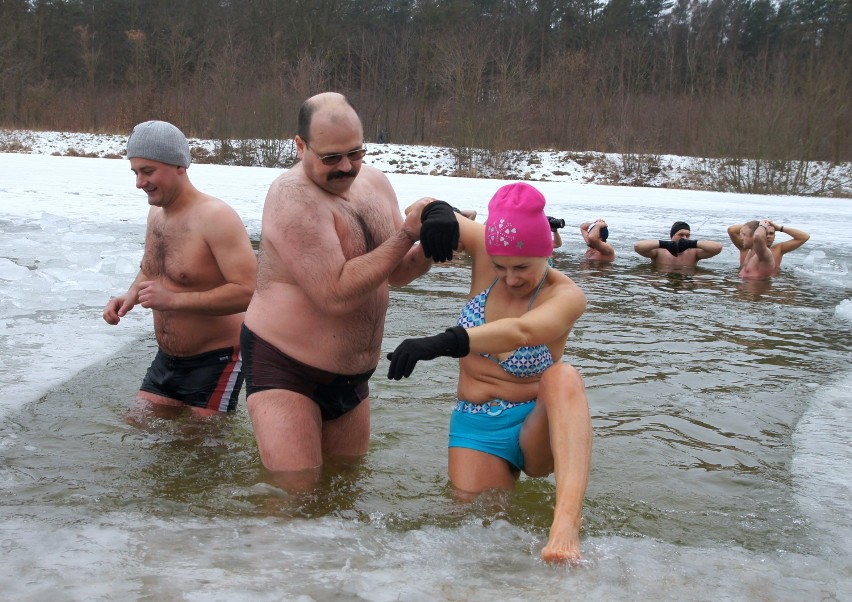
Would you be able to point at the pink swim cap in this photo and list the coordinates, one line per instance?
(516, 224)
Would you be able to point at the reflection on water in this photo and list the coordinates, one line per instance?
(695, 384)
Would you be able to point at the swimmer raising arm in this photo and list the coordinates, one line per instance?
(520, 408)
(798, 238)
(680, 249)
(332, 243)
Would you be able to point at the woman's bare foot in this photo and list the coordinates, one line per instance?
(563, 544)
(560, 556)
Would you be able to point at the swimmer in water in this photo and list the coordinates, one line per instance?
(332, 243)
(595, 235)
(520, 407)
(797, 239)
(680, 249)
(759, 262)
(197, 276)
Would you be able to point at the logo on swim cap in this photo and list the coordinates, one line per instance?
(502, 234)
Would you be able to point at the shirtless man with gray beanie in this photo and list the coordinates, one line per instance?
(197, 275)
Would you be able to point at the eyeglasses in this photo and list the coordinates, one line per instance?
(335, 158)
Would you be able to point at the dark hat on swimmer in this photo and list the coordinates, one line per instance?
(677, 227)
(159, 141)
(602, 232)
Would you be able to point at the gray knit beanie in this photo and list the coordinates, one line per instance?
(159, 141)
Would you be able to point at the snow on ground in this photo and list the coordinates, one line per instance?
(657, 171)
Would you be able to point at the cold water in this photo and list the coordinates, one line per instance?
(721, 415)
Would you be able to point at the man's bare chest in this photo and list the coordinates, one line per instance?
(362, 227)
(178, 253)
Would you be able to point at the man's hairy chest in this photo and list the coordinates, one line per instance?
(178, 253)
(362, 226)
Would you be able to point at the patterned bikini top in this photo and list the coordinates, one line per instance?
(524, 362)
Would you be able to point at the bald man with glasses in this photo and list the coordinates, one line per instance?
(333, 240)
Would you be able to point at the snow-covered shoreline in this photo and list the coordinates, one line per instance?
(655, 171)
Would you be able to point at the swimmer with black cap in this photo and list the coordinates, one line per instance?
(680, 249)
(595, 235)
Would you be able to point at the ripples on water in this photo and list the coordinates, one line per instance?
(695, 381)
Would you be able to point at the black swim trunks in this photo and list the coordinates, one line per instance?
(267, 368)
(209, 380)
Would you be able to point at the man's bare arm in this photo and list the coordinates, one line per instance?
(361, 276)
(117, 307)
(557, 239)
(799, 237)
(594, 241)
(708, 248)
(647, 248)
(734, 235)
(759, 246)
(302, 232)
(584, 231)
(413, 265)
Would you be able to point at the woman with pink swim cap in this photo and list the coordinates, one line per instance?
(519, 408)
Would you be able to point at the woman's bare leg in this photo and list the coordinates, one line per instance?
(557, 437)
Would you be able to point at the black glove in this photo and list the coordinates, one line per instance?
(454, 342)
(439, 232)
(555, 223)
(684, 243)
(670, 246)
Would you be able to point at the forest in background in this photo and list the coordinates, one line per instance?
(739, 79)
